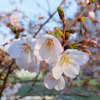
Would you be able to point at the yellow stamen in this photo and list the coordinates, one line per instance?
(48, 45)
(25, 48)
(5, 91)
(65, 60)
(52, 78)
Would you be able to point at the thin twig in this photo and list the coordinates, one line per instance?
(48, 6)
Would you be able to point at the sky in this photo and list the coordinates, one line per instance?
(30, 8)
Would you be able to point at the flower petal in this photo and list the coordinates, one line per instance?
(71, 71)
(61, 84)
(40, 41)
(57, 72)
(52, 56)
(47, 82)
(80, 57)
(24, 60)
(17, 41)
(57, 46)
(39, 53)
(14, 50)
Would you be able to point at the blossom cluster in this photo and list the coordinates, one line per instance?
(30, 51)
(11, 90)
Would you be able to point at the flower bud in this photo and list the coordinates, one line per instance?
(57, 33)
(48, 31)
(57, 29)
(9, 25)
(82, 46)
(96, 5)
(80, 19)
(88, 52)
(91, 14)
(87, 1)
(60, 12)
(93, 43)
(22, 29)
(84, 42)
(67, 35)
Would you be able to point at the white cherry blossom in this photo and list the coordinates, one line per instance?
(69, 63)
(11, 90)
(23, 52)
(50, 82)
(47, 48)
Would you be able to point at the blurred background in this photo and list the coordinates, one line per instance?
(33, 18)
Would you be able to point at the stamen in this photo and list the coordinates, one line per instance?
(52, 78)
(5, 91)
(25, 48)
(65, 60)
(48, 45)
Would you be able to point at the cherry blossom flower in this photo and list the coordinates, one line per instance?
(23, 52)
(69, 63)
(50, 82)
(11, 90)
(47, 48)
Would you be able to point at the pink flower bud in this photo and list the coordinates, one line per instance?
(97, 6)
(82, 46)
(91, 14)
(48, 31)
(84, 42)
(87, 1)
(22, 29)
(93, 43)
(88, 52)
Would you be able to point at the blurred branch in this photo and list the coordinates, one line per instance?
(28, 86)
(4, 83)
